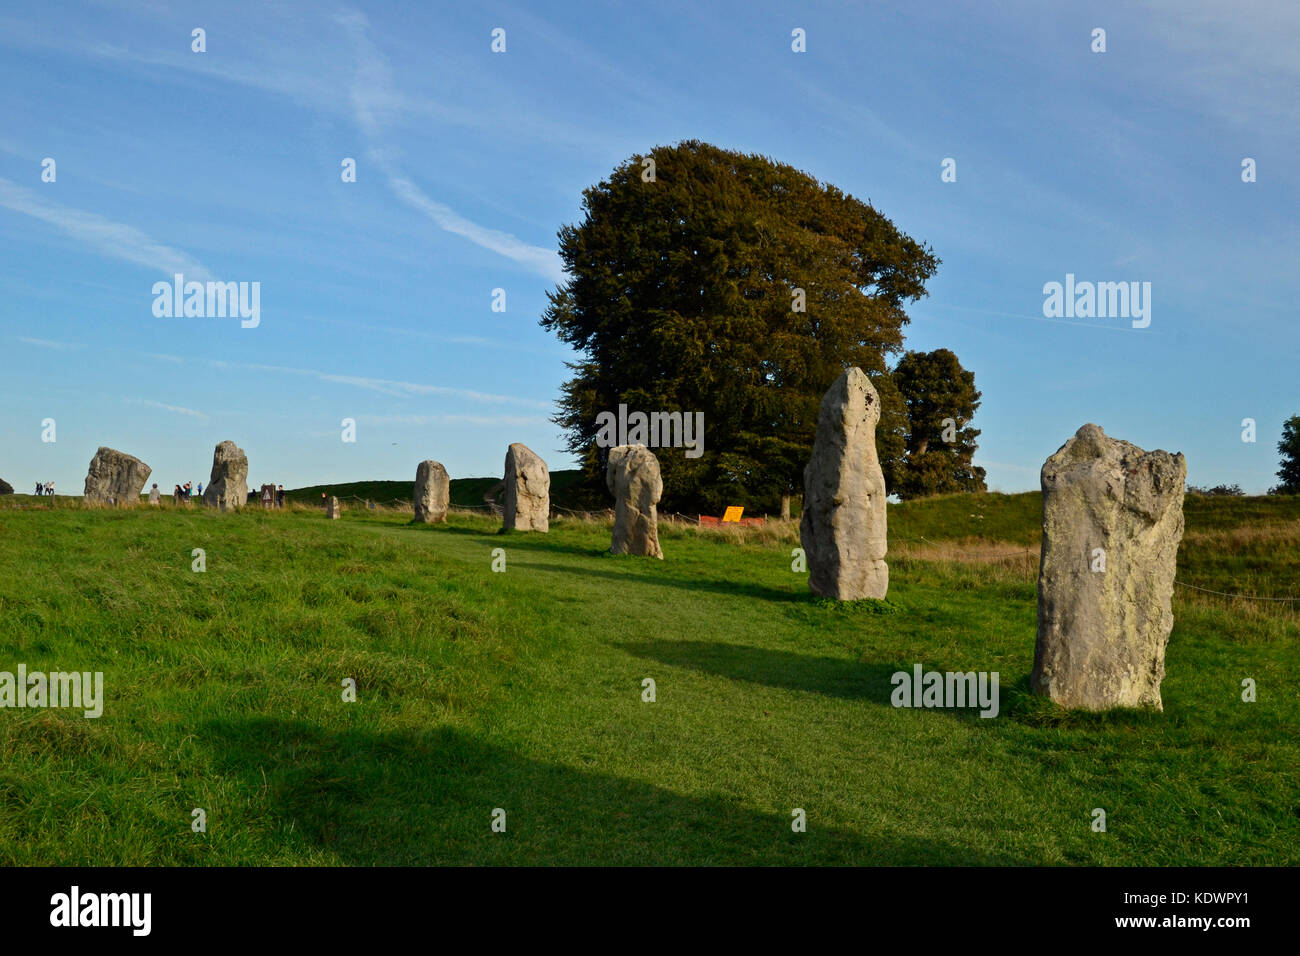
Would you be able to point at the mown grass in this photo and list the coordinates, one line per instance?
(522, 690)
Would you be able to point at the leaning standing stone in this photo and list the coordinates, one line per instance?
(115, 478)
(228, 486)
(528, 490)
(432, 492)
(843, 525)
(1112, 522)
(632, 476)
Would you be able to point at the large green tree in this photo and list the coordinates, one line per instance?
(940, 399)
(1289, 449)
(706, 280)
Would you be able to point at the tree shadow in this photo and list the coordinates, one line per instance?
(428, 798)
(785, 670)
(657, 574)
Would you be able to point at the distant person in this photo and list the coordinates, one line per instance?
(155, 495)
(176, 495)
(323, 502)
(200, 489)
(38, 489)
(279, 497)
(49, 488)
(189, 490)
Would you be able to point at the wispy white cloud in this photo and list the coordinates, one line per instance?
(543, 262)
(372, 98)
(1241, 67)
(374, 101)
(393, 387)
(50, 344)
(115, 240)
(482, 420)
(178, 409)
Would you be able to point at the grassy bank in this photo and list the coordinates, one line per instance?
(522, 690)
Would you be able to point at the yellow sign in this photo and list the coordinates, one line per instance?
(733, 513)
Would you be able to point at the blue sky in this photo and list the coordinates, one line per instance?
(376, 295)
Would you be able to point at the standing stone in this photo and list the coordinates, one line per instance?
(228, 486)
(332, 509)
(528, 490)
(432, 492)
(632, 476)
(1112, 522)
(843, 525)
(115, 478)
(6, 488)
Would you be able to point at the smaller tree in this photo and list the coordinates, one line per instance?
(940, 399)
(1231, 490)
(1289, 448)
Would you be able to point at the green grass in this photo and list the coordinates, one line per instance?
(522, 690)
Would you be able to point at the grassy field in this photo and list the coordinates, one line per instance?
(522, 690)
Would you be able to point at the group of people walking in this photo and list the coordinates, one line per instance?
(45, 488)
(181, 494)
(272, 495)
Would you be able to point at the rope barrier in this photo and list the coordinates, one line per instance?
(1244, 597)
(1181, 584)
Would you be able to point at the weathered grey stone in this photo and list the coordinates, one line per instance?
(332, 509)
(528, 490)
(228, 487)
(115, 478)
(843, 525)
(632, 476)
(6, 488)
(432, 492)
(1112, 522)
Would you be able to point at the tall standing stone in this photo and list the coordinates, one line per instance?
(228, 486)
(115, 478)
(528, 490)
(843, 525)
(1112, 522)
(632, 476)
(432, 492)
(332, 509)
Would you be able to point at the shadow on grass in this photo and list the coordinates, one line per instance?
(1023, 706)
(656, 574)
(421, 798)
(830, 676)
(498, 538)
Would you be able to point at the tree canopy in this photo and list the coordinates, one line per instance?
(1289, 449)
(706, 280)
(939, 399)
